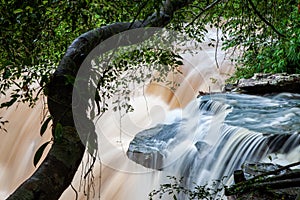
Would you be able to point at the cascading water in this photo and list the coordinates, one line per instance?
(216, 134)
(210, 138)
(19, 144)
(120, 178)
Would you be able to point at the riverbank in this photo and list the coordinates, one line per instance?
(266, 83)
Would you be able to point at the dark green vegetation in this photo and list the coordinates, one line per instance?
(176, 189)
(35, 35)
(270, 39)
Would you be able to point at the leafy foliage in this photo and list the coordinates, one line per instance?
(261, 48)
(177, 190)
(128, 68)
(35, 35)
(260, 36)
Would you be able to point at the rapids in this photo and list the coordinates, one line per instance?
(217, 133)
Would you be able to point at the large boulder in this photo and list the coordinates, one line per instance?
(150, 146)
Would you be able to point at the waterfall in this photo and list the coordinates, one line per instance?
(208, 143)
(19, 144)
(208, 139)
(200, 140)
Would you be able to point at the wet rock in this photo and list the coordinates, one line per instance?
(269, 83)
(150, 159)
(203, 148)
(229, 87)
(257, 168)
(149, 147)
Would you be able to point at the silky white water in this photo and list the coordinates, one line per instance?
(210, 142)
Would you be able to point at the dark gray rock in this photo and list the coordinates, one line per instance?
(202, 147)
(149, 147)
(270, 83)
(150, 159)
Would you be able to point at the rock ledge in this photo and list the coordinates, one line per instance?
(267, 83)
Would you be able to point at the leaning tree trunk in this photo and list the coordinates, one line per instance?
(265, 184)
(56, 172)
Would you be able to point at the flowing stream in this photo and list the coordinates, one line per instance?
(202, 139)
(217, 134)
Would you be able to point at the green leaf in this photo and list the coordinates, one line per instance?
(45, 125)
(18, 11)
(58, 131)
(70, 79)
(28, 8)
(39, 153)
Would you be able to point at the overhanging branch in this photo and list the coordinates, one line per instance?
(210, 6)
(267, 182)
(56, 172)
(264, 19)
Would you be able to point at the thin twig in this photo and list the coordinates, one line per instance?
(204, 10)
(76, 193)
(216, 48)
(138, 13)
(100, 179)
(91, 167)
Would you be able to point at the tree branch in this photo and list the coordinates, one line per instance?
(56, 172)
(213, 4)
(291, 179)
(264, 19)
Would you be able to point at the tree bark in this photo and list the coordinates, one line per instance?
(56, 172)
